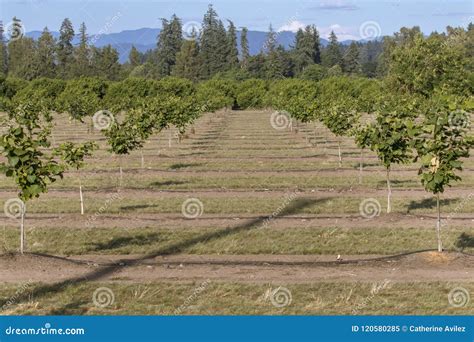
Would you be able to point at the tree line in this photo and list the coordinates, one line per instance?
(213, 50)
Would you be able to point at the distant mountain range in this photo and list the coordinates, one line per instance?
(144, 39)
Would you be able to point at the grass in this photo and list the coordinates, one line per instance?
(236, 299)
(239, 240)
(151, 203)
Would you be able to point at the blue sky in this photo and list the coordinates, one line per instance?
(349, 19)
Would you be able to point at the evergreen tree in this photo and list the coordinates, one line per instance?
(65, 47)
(278, 64)
(134, 57)
(270, 44)
(3, 52)
(332, 55)
(46, 55)
(307, 48)
(169, 44)
(105, 62)
(82, 53)
(256, 65)
(213, 44)
(369, 54)
(244, 45)
(188, 64)
(351, 59)
(233, 52)
(21, 58)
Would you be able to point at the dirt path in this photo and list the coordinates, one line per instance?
(175, 221)
(422, 267)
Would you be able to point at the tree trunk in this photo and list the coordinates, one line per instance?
(81, 197)
(340, 153)
(169, 139)
(22, 229)
(361, 165)
(142, 159)
(438, 225)
(121, 172)
(389, 194)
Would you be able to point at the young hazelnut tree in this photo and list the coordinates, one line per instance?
(444, 141)
(337, 107)
(30, 160)
(74, 155)
(391, 136)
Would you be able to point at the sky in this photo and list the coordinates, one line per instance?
(350, 19)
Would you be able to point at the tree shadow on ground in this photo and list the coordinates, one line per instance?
(138, 206)
(179, 166)
(383, 183)
(168, 182)
(122, 241)
(465, 241)
(292, 207)
(429, 203)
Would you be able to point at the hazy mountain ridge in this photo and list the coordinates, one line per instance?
(145, 39)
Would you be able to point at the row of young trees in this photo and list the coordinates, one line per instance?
(34, 163)
(420, 113)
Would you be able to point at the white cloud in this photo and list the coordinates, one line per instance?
(342, 5)
(342, 32)
(292, 26)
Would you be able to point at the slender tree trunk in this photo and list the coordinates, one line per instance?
(340, 153)
(81, 196)
(438, 224)
(361, 165)
(121, 172)
(22, 229)
(142, 159)
(389, 192)
(169, 139)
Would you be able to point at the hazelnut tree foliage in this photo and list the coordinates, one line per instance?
(30, 159)
(82, 97)
(175, 105)
(391, 135)
(437, 69)
(442, 145)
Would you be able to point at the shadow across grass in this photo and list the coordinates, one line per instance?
(168, 183)
(138, 206)
(465, 241)
(122, 241)
(179, 166)
(430, 203)
(44, 290)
